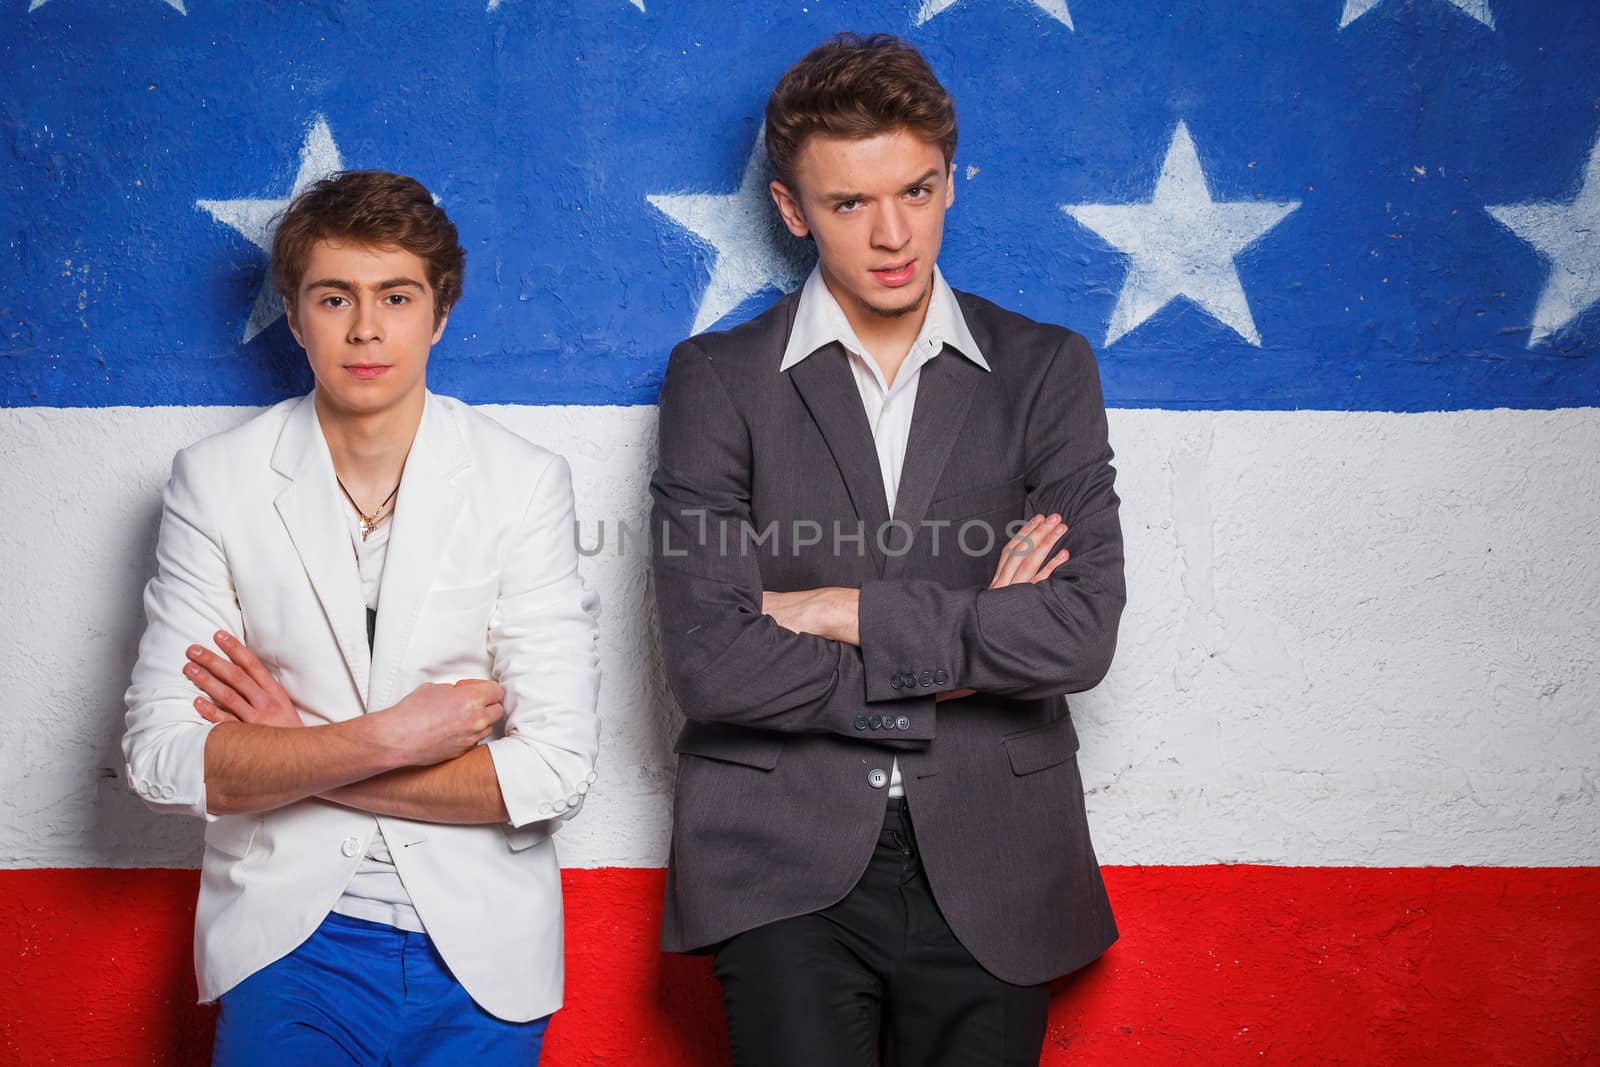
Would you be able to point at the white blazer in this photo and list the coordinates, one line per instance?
(480, 581)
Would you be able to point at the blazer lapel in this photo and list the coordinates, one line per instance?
(426, 511)
(944, 392)
(309, 507)
(830, 394)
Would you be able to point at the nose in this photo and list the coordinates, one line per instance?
(891, 231)
(365, 328)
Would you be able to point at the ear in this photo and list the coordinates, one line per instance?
(294, 325)
(444, 320)
(950, 185)
(789, 208)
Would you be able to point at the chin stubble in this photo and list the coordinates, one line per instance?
(897, 312)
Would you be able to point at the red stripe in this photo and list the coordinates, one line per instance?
(1450, 966)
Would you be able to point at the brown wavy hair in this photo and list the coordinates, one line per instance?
(853, 87)
(376, 208)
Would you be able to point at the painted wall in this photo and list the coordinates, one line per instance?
(1340, 267)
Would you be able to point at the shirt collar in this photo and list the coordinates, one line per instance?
(820, 320)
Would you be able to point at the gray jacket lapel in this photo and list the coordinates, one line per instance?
(824, 382)
(944, 393)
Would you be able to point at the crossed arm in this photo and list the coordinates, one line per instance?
(811, 661)
(420, 759)
(242, 747)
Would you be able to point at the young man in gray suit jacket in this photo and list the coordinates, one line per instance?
(879, 824)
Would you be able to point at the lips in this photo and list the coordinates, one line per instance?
(365, 371)
(894, 275)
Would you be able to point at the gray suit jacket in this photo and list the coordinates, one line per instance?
(770, 481)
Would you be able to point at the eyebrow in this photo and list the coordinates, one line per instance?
(344, 286)
(932, 175)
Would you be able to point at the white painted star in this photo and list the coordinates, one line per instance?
(256, 220)
(496, 3)
(1568, 235)
(1478, 9)
(1056, 9)
(176, 5)
(1182, 243)
(752, 246)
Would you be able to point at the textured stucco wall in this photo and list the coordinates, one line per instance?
(1352, 638)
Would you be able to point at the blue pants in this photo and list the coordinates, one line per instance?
(362, 993)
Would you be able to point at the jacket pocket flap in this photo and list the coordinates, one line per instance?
(459, 598)
(982, 501)
(521, 837)
(730, 744)
(232, 834)
(1043, 746)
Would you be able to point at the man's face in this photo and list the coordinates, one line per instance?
(364, 315)
(875, 207)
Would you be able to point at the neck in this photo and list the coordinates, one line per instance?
(369, 448)
(888, 338)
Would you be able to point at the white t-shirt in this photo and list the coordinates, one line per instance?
(376, 893)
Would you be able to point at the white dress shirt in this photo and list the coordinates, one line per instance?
(820, 320)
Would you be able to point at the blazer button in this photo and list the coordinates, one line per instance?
(903, 723)
(894, 681)
(861, 722)
(877, 778)
(350, 846)
(875, 722)
(927, 678)
(940, 677)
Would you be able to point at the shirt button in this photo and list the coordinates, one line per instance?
(592, 776)
(560, 806)
(927, 678)
(894, 681)
(350, 846)
(875, 722)
(903, 723)
(574, 800)
(861, 722)
(166, 792)
(877, 778)
(544, 809)
(583, 787)
(940, 677)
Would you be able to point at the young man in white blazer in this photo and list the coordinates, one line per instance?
(403, 707)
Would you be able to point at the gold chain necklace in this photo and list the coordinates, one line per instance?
(368, 522)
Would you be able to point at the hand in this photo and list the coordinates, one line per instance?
(434, 723)
(1027, 558)
(240, 687)
(833, 612)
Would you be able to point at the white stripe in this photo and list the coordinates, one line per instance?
(1352, 638)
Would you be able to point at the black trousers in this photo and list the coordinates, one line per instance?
(878, 977)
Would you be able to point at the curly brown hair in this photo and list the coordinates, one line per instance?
(370, 207)
(853, 87)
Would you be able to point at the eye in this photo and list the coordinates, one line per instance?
(396, 299)
(334, 300)
(919, 192)
(847, 206)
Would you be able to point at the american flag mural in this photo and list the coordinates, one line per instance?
(1340, 263)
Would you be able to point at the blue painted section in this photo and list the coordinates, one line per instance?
(543, 127)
